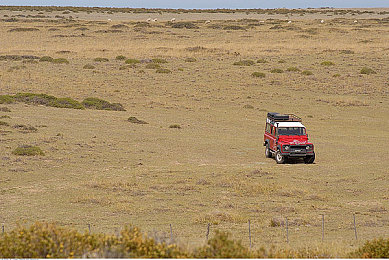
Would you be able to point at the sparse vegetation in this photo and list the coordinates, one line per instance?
(261, 61)
(292, 69)
(132, 61)
(99, 59)
(281, 61)
(88, 67)
(152, 66)
(337, 75)
(307, 72)
(367, 71)
(177, 126)
(135, 120)
(187, 25)
(163, 71)
(28, 150)
(258, 74)
(46, 58)
(23, 29)
(244, 63)
(276, 71)
(120, 57)
(60, 61)
(159, 60)
(100, 104)
(377, 248)
(2, 123)
(190, 60)
(327, 63)
(4, 109)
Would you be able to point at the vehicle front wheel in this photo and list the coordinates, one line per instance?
(267, 152)
(309, 159)
(280, 159)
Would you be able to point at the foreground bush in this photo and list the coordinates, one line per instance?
(377, 248)
(28, 150)
(100, 104)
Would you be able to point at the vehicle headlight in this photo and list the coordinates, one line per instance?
(286, 147)
(309, 147)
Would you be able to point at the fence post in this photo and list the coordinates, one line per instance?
(250, 233)
(171, 233)
(2, 229)
(287, 231)
(208, 231)
(89, 228)
(322, 227)
(355, 228)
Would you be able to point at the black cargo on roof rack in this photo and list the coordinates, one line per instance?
(277, 116)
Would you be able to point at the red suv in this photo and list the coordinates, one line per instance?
(286, 137)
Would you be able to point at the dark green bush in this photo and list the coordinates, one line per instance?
(258, 74)
(46, 58)
(244, 63)
(120, 57)
(6, 99)
(88, 67)
(100, 104)
(276, 71)
(99, 59)
(66, 103)
(28, 150)
(377, 248)
(367, 71)
(307, 72)
(132, 61)
(161, 70)
(177, 126)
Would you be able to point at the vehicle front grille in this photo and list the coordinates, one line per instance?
(297, 149)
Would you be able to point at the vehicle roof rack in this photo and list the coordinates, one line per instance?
(277, 117)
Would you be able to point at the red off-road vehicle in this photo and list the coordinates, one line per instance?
(286, 138)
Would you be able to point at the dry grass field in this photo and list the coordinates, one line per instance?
(200, 158)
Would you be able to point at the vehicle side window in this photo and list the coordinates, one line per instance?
(268, 127)
(272, 130)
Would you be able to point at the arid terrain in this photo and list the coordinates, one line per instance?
(200, 158)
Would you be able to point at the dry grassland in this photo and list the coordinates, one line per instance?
(99, 168)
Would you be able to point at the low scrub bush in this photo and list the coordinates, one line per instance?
(5, 109)
(120, 57)
(276, 71)
(281, 61)
(100, 104)
(135, 120)
(367, 71)
(99, 59)
(5, 116)
(60, 61)
(164, 71)
(177, 126)
(28, 150)
(307, 72)
(158, 60)
(6, 99)
(153, 66)
(292, 69)
(2, 123)
(258, 74)
(23, 29)
(132, 61)
(46, 58)
(337, 75)
(233, 27)
(128, 66)
(66, 103)
(327, 63)
(190, 60)
(88, 67)
(261, 61)
(187, 25)
(244, 63)
(377, 248)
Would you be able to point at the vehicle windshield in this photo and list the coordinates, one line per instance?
(291, 131)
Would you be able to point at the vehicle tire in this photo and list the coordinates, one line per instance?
(267, 152)
(280, 159)
(309, 159)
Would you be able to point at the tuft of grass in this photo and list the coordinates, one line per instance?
(132, 61)
(261, 61)
(46, 58)
(28, 150)
(190, 60)
(135, 120)
(176, 126)
(163, 71)
(307, 72)
(233, 27)
(327, 63)
(153, 66)
(292, 69)
(25, 128)
(248, 107)
(276, 71)
(258, 74)
(2, 123)
(120, 57)
(5, 117)
(99, 59)
(367, 71)
(60, 61)
(281, 61)
(244, 63)
(23, 30)
(337, 75)
(128, 66)
(88, 67)
(6, 99)
(158, 60)
(100, 104)
(5, 109)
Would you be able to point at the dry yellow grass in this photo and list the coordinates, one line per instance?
(99, 168)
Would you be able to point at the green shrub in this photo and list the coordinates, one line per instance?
(153, 66)
(157, 60)
(281, 61)
(132, 61)
(190, 60)
(135, 120)
(5, 116)
(32, 98)
(120, 57)
(46, 58)
(377, 248)
(327, 63)
(88, 67)
(66, 103)
(25, 128)
(292, 69)
(258, 74)
(28, 150)
(128, 66)
(5, 109)
(244, 63)
(6, 99)
(276, 71)
(100, 104)
(367, 71)
(165, 71)
(233, 27)
(99, 59)
(187, 25)
(307, 72)
(337, 75)
(60, 61)
(2, 123)
(261, 61)
(177, 126)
